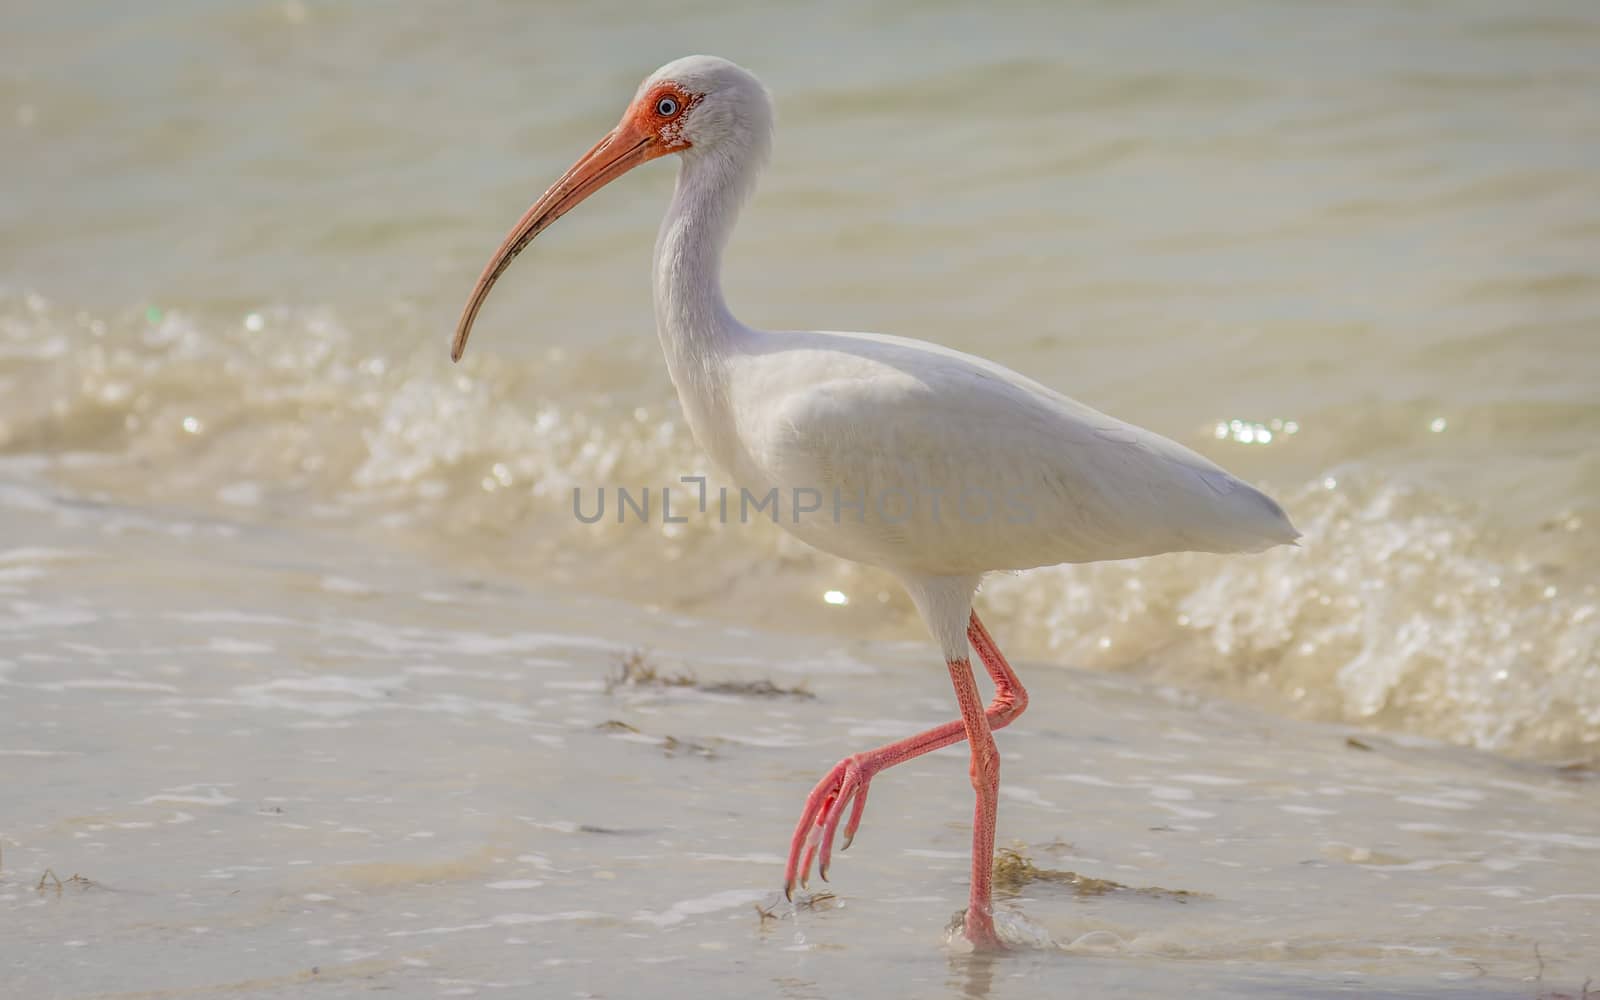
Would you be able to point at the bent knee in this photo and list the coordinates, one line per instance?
(1019, 701)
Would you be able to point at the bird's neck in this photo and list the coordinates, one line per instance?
(692, 318)
(698, 332)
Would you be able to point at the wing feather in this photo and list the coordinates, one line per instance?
(878, 416)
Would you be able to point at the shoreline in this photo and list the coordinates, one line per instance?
(393, 773)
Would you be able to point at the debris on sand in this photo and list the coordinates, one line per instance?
(803, 902)
(1014, 870)
(672, 746)
(1579, 770)
(50, 880)
(637, 671)
(756, 689)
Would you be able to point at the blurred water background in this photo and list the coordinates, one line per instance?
(1349, 251)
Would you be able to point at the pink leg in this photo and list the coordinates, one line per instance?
(850, 778)
(985, 771)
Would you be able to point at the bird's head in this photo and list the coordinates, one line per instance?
(699, 106)
(720, 107)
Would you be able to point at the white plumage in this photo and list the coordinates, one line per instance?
(933, 464)
(1047, 480)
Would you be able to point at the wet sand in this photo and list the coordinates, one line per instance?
(259, 773)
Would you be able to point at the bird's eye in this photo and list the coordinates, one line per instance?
(666, 107)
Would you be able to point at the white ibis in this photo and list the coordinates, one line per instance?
(934, 465)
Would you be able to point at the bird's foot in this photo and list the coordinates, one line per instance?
(978, 928)
(813, 835)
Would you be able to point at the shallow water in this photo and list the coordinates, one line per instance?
(303, 654)
(257, 764)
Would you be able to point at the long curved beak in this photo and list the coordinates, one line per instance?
(623, 148)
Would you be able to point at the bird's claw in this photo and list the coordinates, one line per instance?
(845, 785)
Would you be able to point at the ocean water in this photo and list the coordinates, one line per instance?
(304, 656)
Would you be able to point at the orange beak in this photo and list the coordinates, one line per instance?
(623, 148)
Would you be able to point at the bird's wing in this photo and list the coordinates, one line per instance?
(1020, 475)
